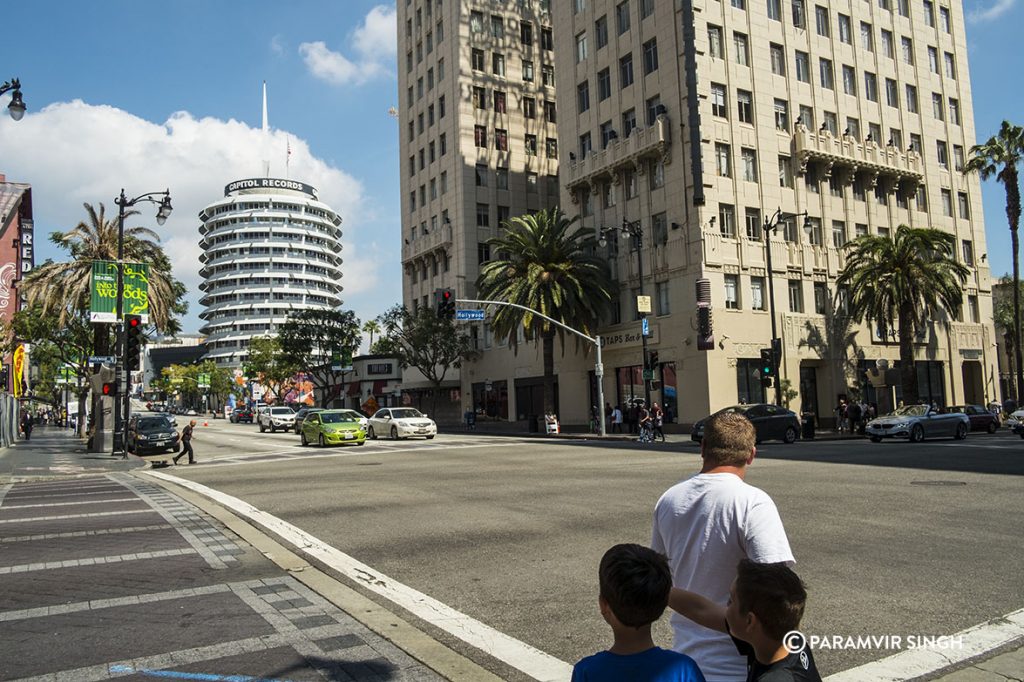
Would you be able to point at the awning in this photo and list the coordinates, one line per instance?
(353, 388)
(379, 386)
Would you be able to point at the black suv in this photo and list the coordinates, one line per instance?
(151, 435)
(241, 414)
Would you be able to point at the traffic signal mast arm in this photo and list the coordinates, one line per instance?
(596, 340)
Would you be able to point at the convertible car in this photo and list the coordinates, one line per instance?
(917, 422)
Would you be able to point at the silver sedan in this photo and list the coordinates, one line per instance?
(917, 422)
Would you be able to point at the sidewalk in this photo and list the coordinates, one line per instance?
(55, 451)
(111, 575)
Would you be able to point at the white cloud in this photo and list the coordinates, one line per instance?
(998, 9)
(73, 152)
(375, 43)
(277, 45)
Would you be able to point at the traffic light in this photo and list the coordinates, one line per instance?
(133, 340)
(705, 328)
(109, 388)
(767, 363)
(444, 303)
(652, 360)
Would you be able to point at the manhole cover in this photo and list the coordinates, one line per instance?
(945, 483)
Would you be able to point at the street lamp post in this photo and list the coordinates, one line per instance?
(17, 106)
(771, 223)
(122, 408)
(634, 231)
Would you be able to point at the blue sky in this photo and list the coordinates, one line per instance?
(148, 95)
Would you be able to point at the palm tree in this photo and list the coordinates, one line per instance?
(59, 288)
(1000, 156)
(903, 280)
(546, 262)
(371, 327)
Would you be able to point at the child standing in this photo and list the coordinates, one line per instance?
(635, 583)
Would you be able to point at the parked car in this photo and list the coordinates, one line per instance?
(771, 422)
(151, 435)
(401, 422)
(241, 414)
(331, 427)
(917, 422)
(981, 419)
(301, 415)
(274, 418)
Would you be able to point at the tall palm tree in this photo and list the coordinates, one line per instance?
(59, 288)
(371, 327)
(546, 262)
(904, 280)
(1000, 156)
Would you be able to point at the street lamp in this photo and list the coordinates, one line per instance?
(17, 106)
(771, 223)
(634, 231)
(163, 202)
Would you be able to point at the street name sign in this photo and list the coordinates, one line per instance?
(101, 359)
(469, 315)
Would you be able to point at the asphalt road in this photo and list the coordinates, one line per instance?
(891, 538)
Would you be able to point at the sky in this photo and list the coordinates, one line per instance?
(147, 96)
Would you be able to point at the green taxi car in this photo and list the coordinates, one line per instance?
(332, 427)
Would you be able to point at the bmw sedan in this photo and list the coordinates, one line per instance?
(331, 427)
(401, 422)
(917, 422)
(771, 422)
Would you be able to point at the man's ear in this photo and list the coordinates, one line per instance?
(753, 454)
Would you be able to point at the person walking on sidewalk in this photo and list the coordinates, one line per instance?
(186, 443)
(658, 416)
(26, 425)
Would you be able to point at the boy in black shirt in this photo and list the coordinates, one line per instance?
(766, 603)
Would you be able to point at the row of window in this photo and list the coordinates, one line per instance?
(652, 109)
(437, 265)
(799, 13)
(496, 29)
(478, 62)
(499, 103)
(429, 154)
(430, 41)
(425, 85)
(501, 142)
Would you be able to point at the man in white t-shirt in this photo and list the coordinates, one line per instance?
(705, 525)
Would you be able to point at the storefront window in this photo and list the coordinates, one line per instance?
(491, 404)
(748, 382)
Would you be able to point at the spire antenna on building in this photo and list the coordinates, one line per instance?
(266, 135)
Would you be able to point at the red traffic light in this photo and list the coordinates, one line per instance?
(109, 388)
(134, 321)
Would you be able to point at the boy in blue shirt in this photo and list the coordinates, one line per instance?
(635, 583)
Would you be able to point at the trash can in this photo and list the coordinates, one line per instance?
(807, 422)
(531, 424)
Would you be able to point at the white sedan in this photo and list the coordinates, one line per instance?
(401, 422)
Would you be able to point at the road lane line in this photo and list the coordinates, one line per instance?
(61, 517)
(68, 504)
(92, 561)
(519, 655)
(914, 663)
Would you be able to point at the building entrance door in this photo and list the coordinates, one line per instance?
(974, 383)
(809, 389)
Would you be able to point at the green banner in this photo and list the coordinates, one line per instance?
(65, 375)
(103, 307)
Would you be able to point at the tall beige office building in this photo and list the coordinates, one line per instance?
(700, 120)
(479, 145)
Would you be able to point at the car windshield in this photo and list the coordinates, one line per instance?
(336, 418)
(281, 410)
(406, 413)
(912, 411)
(153, 423)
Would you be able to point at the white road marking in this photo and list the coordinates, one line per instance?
(519, 655)
(78, 516)
(914, 663)
(69, 504)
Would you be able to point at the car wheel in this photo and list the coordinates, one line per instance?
(790, 435)
(917, 434)
(394, 433)
(992, 426)
(876, 439)
(961, 432)
(263, 429)
(302, 437)
(430, 438)
(370, 432)
(362, 442)
(273, 429)
(323, 443)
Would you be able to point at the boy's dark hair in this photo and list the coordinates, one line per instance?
(774, 593)
(635, 581)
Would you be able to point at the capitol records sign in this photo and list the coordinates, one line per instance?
(270, 183)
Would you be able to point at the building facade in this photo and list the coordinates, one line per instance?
(17, 254)
(270, 247)
(479, 144)
(696, 121)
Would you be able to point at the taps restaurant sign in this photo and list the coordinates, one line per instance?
(270, 183)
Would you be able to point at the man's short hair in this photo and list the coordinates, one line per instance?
(635, 581)
(729, 438)
(774, 593)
